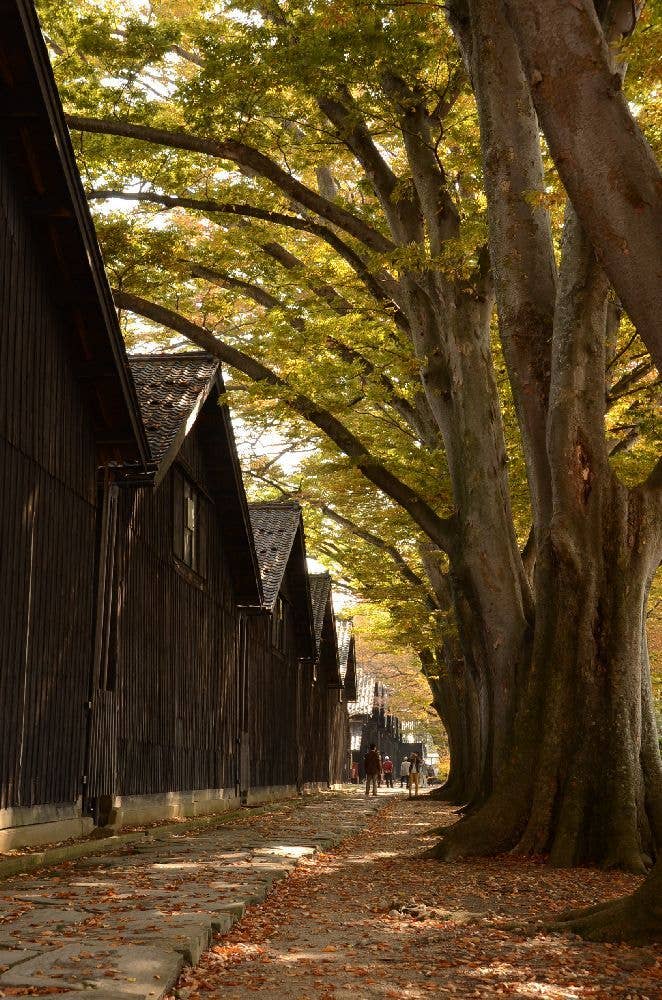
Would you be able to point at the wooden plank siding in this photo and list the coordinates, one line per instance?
(177, 681)
(273, 728)
(47, 528)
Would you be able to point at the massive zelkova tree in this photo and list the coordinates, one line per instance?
(328, 184)
(571, 788)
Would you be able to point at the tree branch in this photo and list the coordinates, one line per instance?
(403, 567)
(429, 179)
(401, 210)
(440, 530)
(419, 422)
(245, 156)
(381, 286)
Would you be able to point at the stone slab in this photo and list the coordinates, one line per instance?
(14, 956)
(129, 970)
(89, 991)
(221, 922)
(37, 922)
(185, 932)
(235, 909)
(286, 851)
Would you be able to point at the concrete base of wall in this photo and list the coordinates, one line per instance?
(43, 824)
(272, 793)
(54, 823)
(137, 810)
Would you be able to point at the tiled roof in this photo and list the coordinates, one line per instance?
(365, 694)
(169, 388)
(275, 527)
(344, 628)
(320, 588)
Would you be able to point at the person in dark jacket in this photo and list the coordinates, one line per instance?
(373, 769)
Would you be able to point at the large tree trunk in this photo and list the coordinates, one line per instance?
(458, 689)
(636, 919)
(491, 594)
(520, 239)
(605, 163)
(457, 702)
(585, 781)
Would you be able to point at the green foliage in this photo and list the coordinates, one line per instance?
(239, 70)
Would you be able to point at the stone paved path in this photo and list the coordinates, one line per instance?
(371, 920)
(123, 925)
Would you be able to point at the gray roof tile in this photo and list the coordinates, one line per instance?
(365, 693)
(344, 629)
(169, 386)
(275, 527)
(320, 589)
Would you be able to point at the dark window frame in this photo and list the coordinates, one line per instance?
(278, 624)
(189, 523)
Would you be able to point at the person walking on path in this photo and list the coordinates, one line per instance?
(373, 769)
(387, 768)
(404, 772)
(414, 773)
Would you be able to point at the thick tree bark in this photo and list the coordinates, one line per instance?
(490, 591)
(585, 780)
(456, 701)
(459, 692)
(521, 250)
(605, 163)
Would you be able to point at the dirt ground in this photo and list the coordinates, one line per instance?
(374, 920)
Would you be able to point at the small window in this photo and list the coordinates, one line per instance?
(278, 625)
(188, 523)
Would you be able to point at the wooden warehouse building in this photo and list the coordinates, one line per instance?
(143, 667)
(68, 409)
(281, 650)
(329, 722)
(166, 729)
(294, 669)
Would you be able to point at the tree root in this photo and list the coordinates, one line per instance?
(627, 919)
(471, 838)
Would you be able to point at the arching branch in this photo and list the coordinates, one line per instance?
(380, 285)
(440, 530)
(414, 416)
(603, 159)
(245, 156)
(403, 567)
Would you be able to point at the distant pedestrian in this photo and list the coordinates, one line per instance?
(355, 773)
(373, 769)
(387, 768)
(423, 775)
(404, 772)
(414, 773)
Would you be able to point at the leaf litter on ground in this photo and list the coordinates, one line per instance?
(372, 919)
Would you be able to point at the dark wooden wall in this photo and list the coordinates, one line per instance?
(273, 682)
(339, 745)
(317, 730)
(47, 529)
(176, 689)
